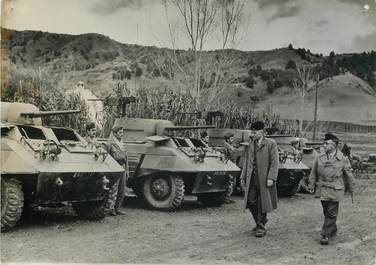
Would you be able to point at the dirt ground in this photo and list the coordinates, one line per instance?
(196, 234)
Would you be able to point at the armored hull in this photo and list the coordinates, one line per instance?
(163, 167)
(50, 166)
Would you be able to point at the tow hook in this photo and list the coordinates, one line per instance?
(105, 183)
(59, 182)
(209, 180)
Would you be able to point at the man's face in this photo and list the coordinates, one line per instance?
(230, 140)
(206, 139)
(256, 135)
(92, 132)
(329, 146)
(119, 134)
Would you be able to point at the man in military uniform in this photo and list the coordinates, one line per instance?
(205, 138)
(230, 155)
(329, 173)
(229, 146)
(91, 133)
(117, 150)
(259, 177)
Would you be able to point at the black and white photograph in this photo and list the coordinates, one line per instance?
(188, 132)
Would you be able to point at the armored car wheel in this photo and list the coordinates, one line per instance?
(90, 210)
(12, 202)
(163, 192)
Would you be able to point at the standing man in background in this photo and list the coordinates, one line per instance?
(117, 150)
(259, 176)
(329, 173)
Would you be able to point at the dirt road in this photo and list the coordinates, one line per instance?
(195, 234)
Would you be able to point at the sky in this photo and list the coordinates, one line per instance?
(319, 25)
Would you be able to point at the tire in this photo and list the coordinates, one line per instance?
(163, 192)
(110, 201)
(212, 199)
(12, 202)
(230, 190)
(97, 210)
(90, 210)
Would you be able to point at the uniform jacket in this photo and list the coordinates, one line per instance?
(91, 142)
(117, 150)
(267, 168)
(330, 175)
(229, 151)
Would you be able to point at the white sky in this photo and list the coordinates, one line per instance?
(318, 25)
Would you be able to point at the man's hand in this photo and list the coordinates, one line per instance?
(269, 183)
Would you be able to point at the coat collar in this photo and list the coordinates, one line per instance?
(262, 144)
(339, 155)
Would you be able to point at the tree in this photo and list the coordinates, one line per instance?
(301, 86)
(201, 19)
(290, 47)
(290, 65)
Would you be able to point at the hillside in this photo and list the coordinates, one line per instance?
(344, 98)
(257, 77)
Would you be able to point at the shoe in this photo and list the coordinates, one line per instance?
(254, 229)
(229, 201)
(324, 240)
(334, 233)
(119, 212)
(260, 232)
(112, 213)
(129, 192)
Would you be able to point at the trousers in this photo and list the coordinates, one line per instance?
(254, 206)
(120, 192)
(330, 210)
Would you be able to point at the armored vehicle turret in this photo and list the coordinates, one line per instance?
(50, 166)
(165, 164)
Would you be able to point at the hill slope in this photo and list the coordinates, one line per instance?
(101, 62)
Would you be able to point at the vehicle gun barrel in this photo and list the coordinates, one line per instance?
(178, 128)
(48, 113)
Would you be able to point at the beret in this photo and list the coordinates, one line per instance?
(330, 136)
(258, 125)
(228, 135)
(116, 128)
(204, 134)
(90, 126)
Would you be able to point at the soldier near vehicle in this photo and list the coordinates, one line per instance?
(91, 133)
(205, 138)
(118, 151)
(259, 174)
(331, 170)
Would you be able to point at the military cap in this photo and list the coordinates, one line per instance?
(204, 134)
(228, 135)
(116, 128)
(90, 126)
(258, 125)
(332, 137)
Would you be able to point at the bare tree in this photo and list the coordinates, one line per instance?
(301, 86)
(202, 18)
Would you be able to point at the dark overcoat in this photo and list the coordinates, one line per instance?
(267, 168)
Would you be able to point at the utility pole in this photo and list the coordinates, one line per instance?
(316, 99)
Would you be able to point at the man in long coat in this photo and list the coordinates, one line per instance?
(259, 175)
